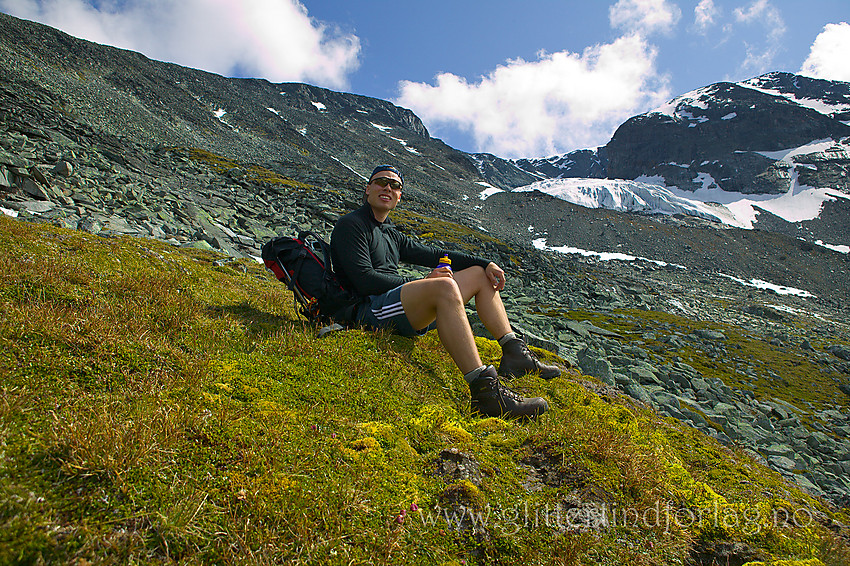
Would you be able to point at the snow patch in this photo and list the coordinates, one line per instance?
(9, 212)
(785, 155)
(778, 289)
(730, 116)
(814, 104)
(489, 190)
(642, 195)
(349, 168)
(540, 244)
(319, 106)
(380, 127)
(841, 249)
(799, 203)
(273, 111)
(404, 144)
(219, 113)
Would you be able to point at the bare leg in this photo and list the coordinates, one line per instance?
(473, 282)
(440, 298)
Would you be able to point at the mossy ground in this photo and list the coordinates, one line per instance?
(161, 406)
(776, 371)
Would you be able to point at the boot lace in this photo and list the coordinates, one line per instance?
(508, 392)
(526, 351)
(502, 390)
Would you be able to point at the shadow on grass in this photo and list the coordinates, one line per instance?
(259, 324)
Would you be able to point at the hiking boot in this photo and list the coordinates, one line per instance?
(518, 360)
(492, 399)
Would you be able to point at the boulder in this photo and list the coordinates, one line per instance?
(839, 351)
(635, 391)
(593, 362)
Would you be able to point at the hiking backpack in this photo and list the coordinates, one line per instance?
(304, 264)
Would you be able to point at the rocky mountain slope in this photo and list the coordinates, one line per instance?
(725, 130)
(734, 136)
(109, 142)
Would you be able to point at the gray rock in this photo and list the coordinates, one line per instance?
(839, 351)
(593, 362)
(63, 169)
(38, 207)
(745, 432)
(635, 391)
(710, 334)
(35, 189)
(764, 312)
(778, 450)
(5, 182)
(806, 484)
(726, 409)
(89, 224)
(453, 465)
(783, 463)
(199, 244)
(643, 376)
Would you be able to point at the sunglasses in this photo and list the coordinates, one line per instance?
(384, 181)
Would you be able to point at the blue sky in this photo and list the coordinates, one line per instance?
(526, 79)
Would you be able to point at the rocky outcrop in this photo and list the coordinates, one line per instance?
(586, 163)
(731, 136)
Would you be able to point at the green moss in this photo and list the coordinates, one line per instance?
(155, 408)
(431, 228)
(217, 162)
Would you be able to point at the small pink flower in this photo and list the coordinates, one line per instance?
(399, 519)
(414, 507)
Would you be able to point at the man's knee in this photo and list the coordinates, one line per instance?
(445, 289)
(433, 291)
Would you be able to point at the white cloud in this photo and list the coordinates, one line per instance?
(828, 56)
(764, 13)
(558, 103)
(760, 56)
(644, 16)
(705, 15)
(272, 39)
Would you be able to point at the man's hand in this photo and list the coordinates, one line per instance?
(440, 272)
(495, 275)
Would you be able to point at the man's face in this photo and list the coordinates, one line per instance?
(383, 198)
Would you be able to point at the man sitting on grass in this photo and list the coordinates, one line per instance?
(366, 249)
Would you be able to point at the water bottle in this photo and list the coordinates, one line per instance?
(445, 261)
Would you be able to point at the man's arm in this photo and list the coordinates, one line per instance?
(412, 251)
(353, 261)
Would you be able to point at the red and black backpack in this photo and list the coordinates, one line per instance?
(304, 264)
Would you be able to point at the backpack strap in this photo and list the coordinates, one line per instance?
(324, 247)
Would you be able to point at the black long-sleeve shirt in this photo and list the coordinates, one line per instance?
(366, 253)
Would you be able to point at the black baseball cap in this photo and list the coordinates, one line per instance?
(389, 168)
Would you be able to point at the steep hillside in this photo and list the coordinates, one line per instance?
(741, 335)
(287, 128)
(165, 406)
